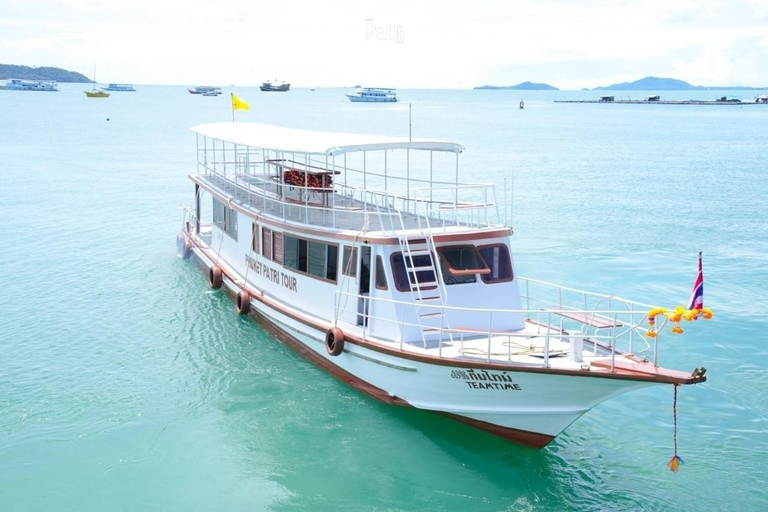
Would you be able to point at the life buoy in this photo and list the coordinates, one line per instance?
(214, 277)
(334, 341)
(243, 303)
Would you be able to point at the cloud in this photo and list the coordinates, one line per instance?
(445, 44)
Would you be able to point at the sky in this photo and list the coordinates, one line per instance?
(406, 44)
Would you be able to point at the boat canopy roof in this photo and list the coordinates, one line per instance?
(292, 140)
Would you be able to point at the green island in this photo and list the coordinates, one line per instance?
(524, 86)
(8, 71)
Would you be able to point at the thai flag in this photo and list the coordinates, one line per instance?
(697, 296)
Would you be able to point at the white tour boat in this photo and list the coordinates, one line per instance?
(373, 95)
(369, 257)
(120, 88)
(16, 84)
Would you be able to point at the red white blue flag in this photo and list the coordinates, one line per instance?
(697, 297)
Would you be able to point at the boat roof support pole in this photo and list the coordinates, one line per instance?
(306, 186)
(407, 174)
(281, 158)
(333, 161)
(345, 170)
(197, 152)
(431, 153)
(365, 180)
(456, 191)
(385, 170)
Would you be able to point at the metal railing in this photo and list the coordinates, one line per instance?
(347, 207)
(610, 330)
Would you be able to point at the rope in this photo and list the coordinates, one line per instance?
(674, 416)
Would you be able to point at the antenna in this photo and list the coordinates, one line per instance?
(409, 123)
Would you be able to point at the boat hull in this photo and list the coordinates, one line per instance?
(530, 408)
(358, 99)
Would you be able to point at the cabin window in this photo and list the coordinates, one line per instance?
(311, 257)
(266, 243)
(255, 238)
(277, 247)
(497, 259)
(381, 277)
(404, 280)
(218, 213)
(460, 264)
(225, 218)
(349, 261)
(317, 258)
(332, 262)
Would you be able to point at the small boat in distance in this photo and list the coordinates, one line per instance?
(205, 90)
(120, 88)
(95, 92)
(373, 95)
(269, 87)
(16, 84)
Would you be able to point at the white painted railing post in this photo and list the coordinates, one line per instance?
(546, 340)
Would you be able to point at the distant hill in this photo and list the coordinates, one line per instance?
(525, 86)
(652, 83)
(44, 73)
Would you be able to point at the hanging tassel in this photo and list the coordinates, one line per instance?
(675, 462)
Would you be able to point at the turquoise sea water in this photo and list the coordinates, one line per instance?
(126, 384)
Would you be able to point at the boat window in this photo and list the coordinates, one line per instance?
(381, 277)
(404, 280)
(332, 262)
(349, 261)
(266, 243)
(277, 246)
(255, 238)
(291, 252)
(462, 260)
(497, 258)
(310, 257)
(317, 254)
(218, 213)
(225, 218)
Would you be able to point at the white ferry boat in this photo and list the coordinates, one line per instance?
(205, 90)
(373, 95)
(360, 254)
(16, 84)
(120, 88)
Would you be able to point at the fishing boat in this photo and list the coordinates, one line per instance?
(371, 258)
(205, 90)
(16, 84)
(120, 88)
(373, 95)
(270, 87)
(96, 92)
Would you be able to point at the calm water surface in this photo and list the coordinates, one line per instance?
(126, 384)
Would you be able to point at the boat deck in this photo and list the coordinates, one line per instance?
(326, 209)
(525, 347)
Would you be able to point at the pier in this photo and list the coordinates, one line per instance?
(667, 102)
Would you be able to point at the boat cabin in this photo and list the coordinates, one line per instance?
(350, 226)
(606, 99)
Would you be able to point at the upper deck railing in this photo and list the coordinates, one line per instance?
(323, 192)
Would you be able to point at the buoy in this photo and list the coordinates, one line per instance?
(214, 277)
(243, 303)
(334, 341)
(522, 104)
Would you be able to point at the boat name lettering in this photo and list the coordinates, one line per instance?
(484, 379)
(272, 274)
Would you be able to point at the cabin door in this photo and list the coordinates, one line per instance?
(364, 284)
